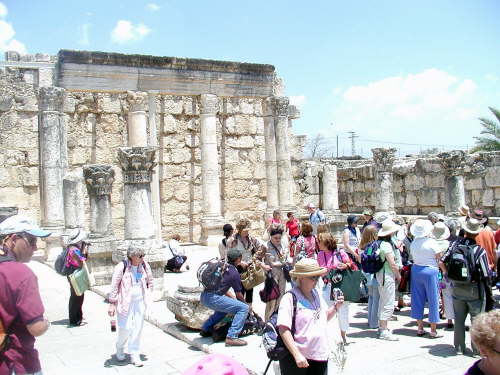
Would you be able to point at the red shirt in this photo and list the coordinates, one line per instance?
(293, 227)
(20, 304)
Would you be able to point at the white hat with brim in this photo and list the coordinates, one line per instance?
(310, 205)
(307, 267)
(440, 231)
(421, 228)
(20, 224)
(388, 227)
(76, 236)
(381, 217)
(472, 226)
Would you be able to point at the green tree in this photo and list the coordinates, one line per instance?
(491, 130)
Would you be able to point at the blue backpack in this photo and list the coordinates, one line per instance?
(370, 258)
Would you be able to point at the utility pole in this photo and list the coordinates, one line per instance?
(353, 145)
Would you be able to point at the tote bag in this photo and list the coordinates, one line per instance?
(348, 282)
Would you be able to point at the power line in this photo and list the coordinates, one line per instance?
(353, 145)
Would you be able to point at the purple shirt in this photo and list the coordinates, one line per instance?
(20, 305)
(231, 279)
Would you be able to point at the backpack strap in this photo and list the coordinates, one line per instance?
(294, 314)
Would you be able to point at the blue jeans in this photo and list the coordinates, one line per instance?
(373, 300)
(223, 305)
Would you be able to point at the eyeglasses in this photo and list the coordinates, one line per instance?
(140, 256)
(31, 240)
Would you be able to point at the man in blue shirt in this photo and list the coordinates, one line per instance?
(222, 303)
(316, 217)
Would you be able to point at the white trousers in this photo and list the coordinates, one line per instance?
(343, 311)
(130, 328)
(448, 300)
(387, 290)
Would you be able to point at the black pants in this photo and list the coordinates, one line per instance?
(75, 307)
(248, 294)
(289, 367)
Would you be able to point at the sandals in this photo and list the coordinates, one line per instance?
(434, 335)
(421, 333)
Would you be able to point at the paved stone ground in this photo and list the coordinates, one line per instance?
(90, 349)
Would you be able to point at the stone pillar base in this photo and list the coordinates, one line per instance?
(187, 308)
(154, 256)
(211, 230)
(100, 258)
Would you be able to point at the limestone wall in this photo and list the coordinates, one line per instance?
(96, 128)
(418, 184)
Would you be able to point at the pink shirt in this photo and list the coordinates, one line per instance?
(308, 243)
(310, 337)
(326, 259)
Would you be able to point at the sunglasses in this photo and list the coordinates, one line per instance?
(313, 278)
(30, 240)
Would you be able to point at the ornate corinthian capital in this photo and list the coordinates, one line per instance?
(137, 101)
(99, 178)
(453, 162)
(384, 159)
(51, 98)
(137, 164)
(280, 106)
(209, 104)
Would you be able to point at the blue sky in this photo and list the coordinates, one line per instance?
(415, 74)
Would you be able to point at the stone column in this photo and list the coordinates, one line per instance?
(53, 163)
(330, 189)
(137, 119)
(155, 184)
(271, 166)
(383, 159)
(212, 220)
(285, 178)
(99, 179)
(453, 163)
(74, 212)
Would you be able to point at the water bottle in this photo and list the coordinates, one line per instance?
(113, 324)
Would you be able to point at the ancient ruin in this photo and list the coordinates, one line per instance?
(167, 145)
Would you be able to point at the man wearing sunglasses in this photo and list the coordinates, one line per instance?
(21, 307)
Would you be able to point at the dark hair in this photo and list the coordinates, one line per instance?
(176, 237)
(227, 229)
(289, 214)
(307, 229)
(275, 231)
(351, 219)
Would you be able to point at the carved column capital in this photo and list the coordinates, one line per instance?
(280, 106)
(453, 162)
(137, 164)
(137, 101)
(293, 112)
(51, 98)
(99, 178)
(267, 106)
(479, 163)
(209, 104)
(384, 159)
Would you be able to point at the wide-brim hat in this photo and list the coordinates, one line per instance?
(382, 216)
(310, 205)
(19, 224)
(216, 363)
(388, 227)
(421, 228)
(75, 236)
(440, 231)
(368, 212)
(307, 267)
(463, 210)
(472, 226)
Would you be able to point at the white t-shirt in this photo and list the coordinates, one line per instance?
(423, 251)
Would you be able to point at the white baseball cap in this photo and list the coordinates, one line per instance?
(19, 224)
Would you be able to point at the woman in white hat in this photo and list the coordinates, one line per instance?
(388, 276)
(77, 255)
(441, 233)
(426, 255)
(308, 347)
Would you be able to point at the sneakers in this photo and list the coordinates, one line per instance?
(387, 335)
(135, 359)
(120, 354)
(235, 342)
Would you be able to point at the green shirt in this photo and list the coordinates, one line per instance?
(387, 248)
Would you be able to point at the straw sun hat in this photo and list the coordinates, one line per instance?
(307, 267)
(421, 228)
(440, 231)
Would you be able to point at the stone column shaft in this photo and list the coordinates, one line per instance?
(383, 161)
(453, 163)
(271, 165)
(155, 183)
(137, 119)
(330, 189)
(285, 178)
(73, 200)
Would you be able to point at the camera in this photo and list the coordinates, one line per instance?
(336, 293)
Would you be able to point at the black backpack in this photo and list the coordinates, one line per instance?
(461, 263)
(211, 273)
(60, 263)
(4, 335)
(370, 258)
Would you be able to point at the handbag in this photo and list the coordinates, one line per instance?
(253, 276)
(271, 289)
(175, 262)
(81, 280)
(348, 282)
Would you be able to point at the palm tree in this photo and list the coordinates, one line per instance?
(491, 128)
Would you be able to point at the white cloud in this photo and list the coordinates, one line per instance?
(298, 100)
(491, 77)
(125, 31)
(430, 107)
(84, 34)
(153, 7)
(3, 10)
